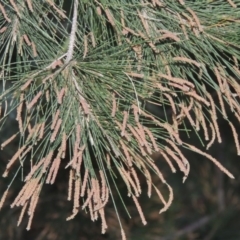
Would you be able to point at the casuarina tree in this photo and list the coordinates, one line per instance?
(100, 86)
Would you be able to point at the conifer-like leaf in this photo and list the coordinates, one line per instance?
(100, 86)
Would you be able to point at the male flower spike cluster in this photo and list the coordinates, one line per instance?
(83, 106)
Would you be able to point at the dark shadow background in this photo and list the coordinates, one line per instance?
(205, 207)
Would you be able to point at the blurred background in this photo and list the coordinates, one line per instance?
(206, 206)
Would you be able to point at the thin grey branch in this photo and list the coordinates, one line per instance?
(73, 33)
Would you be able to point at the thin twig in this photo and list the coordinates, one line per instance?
(135, 93)
(73, 33)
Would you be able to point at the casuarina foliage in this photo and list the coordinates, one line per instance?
(100, 86)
